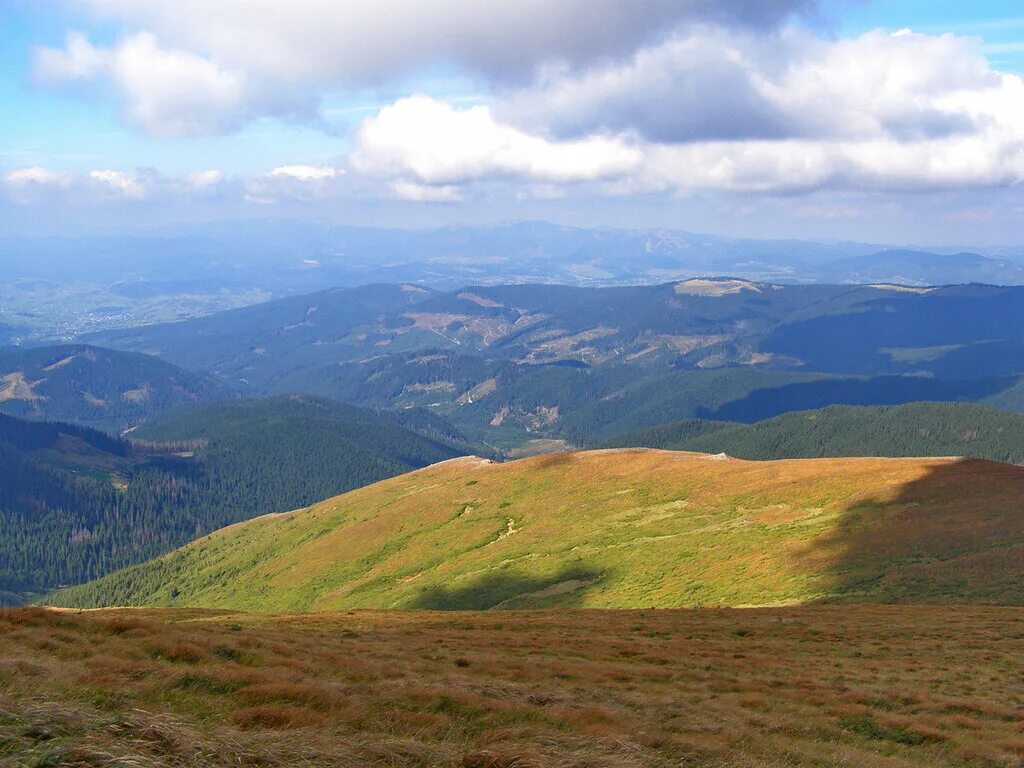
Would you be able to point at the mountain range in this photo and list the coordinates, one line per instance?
(57, 288)
(521, 362)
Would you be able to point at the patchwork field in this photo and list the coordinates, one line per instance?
(871, 687)
(613, 529)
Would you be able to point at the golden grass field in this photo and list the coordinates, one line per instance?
(907, 648)
(823, 686)
(614, 529)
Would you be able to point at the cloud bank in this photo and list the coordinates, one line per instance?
(583, 97)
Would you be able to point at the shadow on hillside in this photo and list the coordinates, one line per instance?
(955, 534)
(507, 589)
(880, 390)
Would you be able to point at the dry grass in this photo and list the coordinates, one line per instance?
(878, 687)
(614, 529)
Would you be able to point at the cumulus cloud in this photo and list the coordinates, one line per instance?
(204, 180)
(198, 67)
(424, 193)
(23, 177)
(306, 172)
(707, 106)
(28, 185)
(724, 110)
(369, 41)
(430, 142)
(725, 84)
(119, 182)
(164, 92)
(108, 187)
(295, 182)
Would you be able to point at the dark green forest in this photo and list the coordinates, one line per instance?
(76, 503)
(100, 388)
(915, 429)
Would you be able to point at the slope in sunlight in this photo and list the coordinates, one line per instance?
(613, 529)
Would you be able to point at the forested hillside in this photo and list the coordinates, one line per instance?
(76, 503)
(97, 387)
(916, 429)
(511, 363)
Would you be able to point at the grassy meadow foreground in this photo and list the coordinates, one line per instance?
(864, 686)
(613, 529)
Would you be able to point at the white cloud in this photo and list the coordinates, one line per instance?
(722, 84)
(430, 142)
(306, 172)
(27, 185)
(919, 134)
(368, 41)
(78, 60)
(119, 182)
(204, 180)
(302, 183)
(725, 110)
(165, 92)
(198, 67)
(36, 175)
(628, 98)
(424, 193)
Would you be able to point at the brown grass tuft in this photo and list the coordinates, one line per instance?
(295, 693)
(487, 758)
(277, 717)
(179, 652)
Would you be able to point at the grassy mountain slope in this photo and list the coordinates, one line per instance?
(76, 504)
(101, 388)
(614, 529)
(915, 429)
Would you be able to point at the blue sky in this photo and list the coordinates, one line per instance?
(805, 119)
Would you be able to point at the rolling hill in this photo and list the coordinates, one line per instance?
(622, 528)
(76, 503)
(97, 387)
(915, 429)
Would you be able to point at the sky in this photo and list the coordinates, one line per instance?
(898, 121)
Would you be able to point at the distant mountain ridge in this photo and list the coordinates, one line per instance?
(61, 287)
(507, 363)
